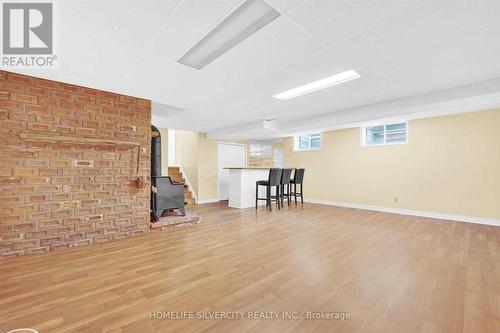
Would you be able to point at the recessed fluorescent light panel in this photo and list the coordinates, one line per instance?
(248, 18)
(318, 85)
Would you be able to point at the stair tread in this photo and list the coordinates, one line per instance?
(177, 177)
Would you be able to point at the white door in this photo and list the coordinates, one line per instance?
(229, 155)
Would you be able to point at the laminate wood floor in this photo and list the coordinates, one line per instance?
(390, 273)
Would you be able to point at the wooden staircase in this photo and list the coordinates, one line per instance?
(176, 176)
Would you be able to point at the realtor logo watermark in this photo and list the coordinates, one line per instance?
(28, 34)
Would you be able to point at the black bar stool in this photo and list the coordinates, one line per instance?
(298, 179)
(273, 181)
(285, 183)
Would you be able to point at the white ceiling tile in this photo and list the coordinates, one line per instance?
(333, 20)
(284, 6)
(190, 22)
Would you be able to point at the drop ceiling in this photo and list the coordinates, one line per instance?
(401, 48)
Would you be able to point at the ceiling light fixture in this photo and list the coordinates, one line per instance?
(318, 85)
(248, 18)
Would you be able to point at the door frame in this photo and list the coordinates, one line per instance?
(217, 167)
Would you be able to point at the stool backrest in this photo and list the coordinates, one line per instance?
(274, 176)
(285, 176)
(298, 178)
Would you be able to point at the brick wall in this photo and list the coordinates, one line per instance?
(72, 192)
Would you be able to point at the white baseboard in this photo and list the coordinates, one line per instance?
(204, 201)
(434, 215)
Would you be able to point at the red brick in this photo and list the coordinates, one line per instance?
(36, 163)
(127, 99)
(84, 179)
(11, 105)
(103, 210)
(71, 88)
(26, 172)
(105, 133)
(73, 220)
(49, 205)
(14, 218)
(94, 233)
(51, 188)
(23, 227)
(82, 147)
(60, 112)
(37, 127)
(25, 244)
(93, 108)
(61, 213)
(5, 171)
(62, 230)
(77, 106)
(47, 119)
(83, 227)
(23, 98)
(49, 224)
(60, 180)
(62, 94)
(47, 84)
(89, 92)
(26, 153)
(48, 153)
(26, 189)
(109, 110)
(22, 116)
(63, 146)
(50, 172)
(38, 197)
(37, 144)
(11, 86)
(90, 203)
(38, 216)
(38, 109)
(37, 234)
(4, 95)
(11, 124)
(48, 101)
(70, 122)
(83, 242)
(36, 91)
(61, 196)
(82, 195)
(37, 180)
(10, 180)
(93, 218)
(63, 129)
(20, 78)
(51, 240)
(85, 131)
(84, 99)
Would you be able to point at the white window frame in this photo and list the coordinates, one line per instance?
(363, 134)
(296, 145)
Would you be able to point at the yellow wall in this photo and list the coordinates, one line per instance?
(186, 155)
(164, 151)
(207, 168)
(450, 165)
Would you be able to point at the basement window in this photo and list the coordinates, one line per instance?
(386, 134)
(307, 142)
